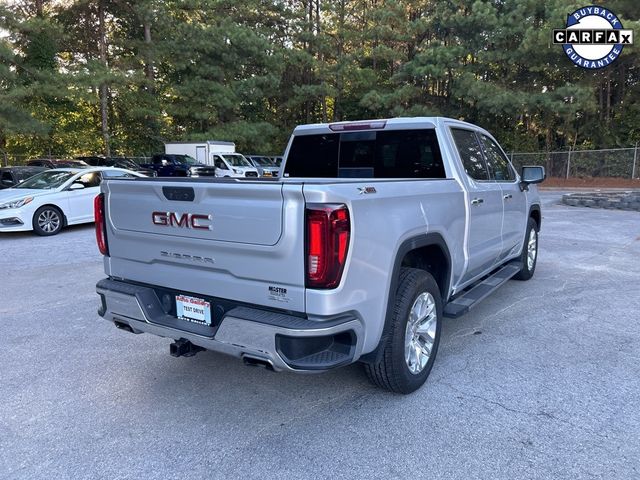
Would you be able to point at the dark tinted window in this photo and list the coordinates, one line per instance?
(357, 155)
(496, 161)
(391, 154)
(409, 154)
(314, 156)
(40, 163)
(469, 149)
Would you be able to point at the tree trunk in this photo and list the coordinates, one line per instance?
(148, 60)
(104, 90)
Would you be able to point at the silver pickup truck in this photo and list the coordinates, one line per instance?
(372, 234)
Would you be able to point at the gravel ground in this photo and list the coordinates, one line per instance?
(540, 381)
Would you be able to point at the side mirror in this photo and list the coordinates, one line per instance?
(76, 186)
(531, 175)
(8, 183)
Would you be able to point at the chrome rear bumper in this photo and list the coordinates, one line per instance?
(287, 342)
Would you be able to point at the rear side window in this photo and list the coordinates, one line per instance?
(390, 154)
(470, 153)
(498, 164)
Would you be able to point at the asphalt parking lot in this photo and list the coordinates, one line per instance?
(542, 380)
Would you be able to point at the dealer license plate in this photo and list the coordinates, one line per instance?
(193, 309)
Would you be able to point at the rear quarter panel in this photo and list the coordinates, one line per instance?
(380, 223)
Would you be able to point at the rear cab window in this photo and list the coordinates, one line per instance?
(366, 154)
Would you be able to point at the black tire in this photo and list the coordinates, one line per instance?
(527, 271)
(47, 228)
(392, 372)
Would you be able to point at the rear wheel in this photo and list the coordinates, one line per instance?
(410, 347)
(529, 256)
(47, 221)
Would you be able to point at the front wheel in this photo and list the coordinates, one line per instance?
(47, 221)
(529, 256)
(410, 347)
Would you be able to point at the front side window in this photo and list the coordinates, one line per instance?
(470, 153)
(498, 164)
(219, 163)
(89, 180)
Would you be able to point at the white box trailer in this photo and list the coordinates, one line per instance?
(201, 151)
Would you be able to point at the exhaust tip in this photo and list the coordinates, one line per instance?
(123, 326)
(251, 361)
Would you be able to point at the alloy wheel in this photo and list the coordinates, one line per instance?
(532, 249)
(49, 221)
(420, 333)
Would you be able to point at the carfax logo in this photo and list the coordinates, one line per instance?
(593, 38)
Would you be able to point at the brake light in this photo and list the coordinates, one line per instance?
(101, 225)
(344, 127)
(328, 231)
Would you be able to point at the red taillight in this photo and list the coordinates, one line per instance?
(101, 226)
(328, 230)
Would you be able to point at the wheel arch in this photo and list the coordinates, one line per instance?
(57, 207)
(536, 214)
(426, 252)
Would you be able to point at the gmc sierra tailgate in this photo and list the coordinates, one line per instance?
(236, 240)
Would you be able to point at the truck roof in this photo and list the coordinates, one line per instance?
(209, 142)
(395, 123)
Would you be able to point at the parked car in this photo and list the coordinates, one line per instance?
(375, 232)
(118, 162)
(233, 165)
(264, 165)
(176, 165)
(54, 198)
(12, 176)
(54, 163)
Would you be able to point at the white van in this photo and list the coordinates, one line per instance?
(233, 165)
(201, 151)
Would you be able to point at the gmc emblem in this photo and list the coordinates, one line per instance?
(184, 220)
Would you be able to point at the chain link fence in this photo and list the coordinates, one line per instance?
(614, 162)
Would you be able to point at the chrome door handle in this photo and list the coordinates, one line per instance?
(507, 196)
(477, 201)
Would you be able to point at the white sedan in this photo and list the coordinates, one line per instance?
(54, 199)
